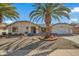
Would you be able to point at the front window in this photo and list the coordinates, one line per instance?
(27, 28)
(3, 33)
(14, 29)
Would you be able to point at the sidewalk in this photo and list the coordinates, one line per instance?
(65, 52)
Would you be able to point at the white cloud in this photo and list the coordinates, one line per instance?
(9, 22)
(73, 20)
(75, 9)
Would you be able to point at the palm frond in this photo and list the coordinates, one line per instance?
(56, 9)
(56, 17)
(63, 13)
(8, 11)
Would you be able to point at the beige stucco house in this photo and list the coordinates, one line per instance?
(23, 27)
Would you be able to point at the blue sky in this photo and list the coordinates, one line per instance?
(25, 8)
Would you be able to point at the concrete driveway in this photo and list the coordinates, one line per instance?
(72, 38)
(25, 46)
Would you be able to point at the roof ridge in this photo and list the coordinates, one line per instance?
(22, 21)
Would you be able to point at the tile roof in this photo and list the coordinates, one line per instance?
(22, 22)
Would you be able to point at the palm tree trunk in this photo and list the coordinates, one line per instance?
(1, 18)
(48, 25)
(48, 31)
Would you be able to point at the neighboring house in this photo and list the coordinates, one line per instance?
(75, 29)
(23, 27)
(3, 29)
(61, 28)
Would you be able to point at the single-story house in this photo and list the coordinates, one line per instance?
(3, 29)
(23, 27)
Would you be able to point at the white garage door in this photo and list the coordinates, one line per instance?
(61, 31)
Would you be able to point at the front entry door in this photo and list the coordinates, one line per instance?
(33, 29)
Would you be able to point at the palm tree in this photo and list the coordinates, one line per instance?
(48, 11)
(7, 10)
